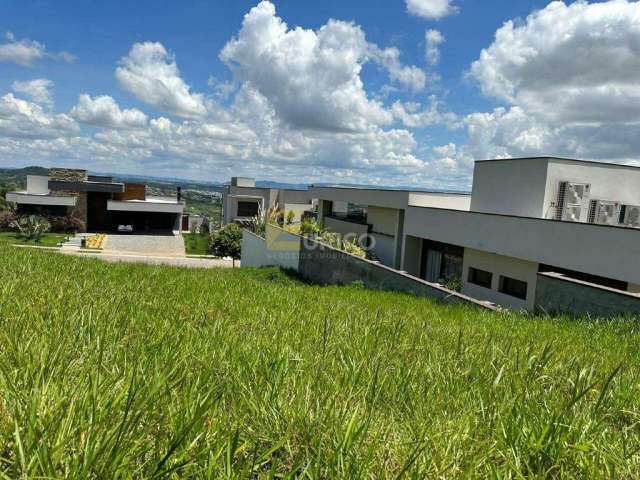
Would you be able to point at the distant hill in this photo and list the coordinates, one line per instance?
(18, 176)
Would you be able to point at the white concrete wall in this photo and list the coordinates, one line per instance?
(37, 184)
(384, 228)
(610, 252)
(243, 182)
(384, 248)
(232, 195)
(283, 248)
(608, 182)
(440, 200)
(362, 196)
(383, 220)
(144, 206)
(499, 265)
(254, 251)
(529, 187)
(279, 249)
(512, 187)
(293, 196)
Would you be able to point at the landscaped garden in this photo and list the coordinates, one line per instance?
(137, 371)
(35, 230)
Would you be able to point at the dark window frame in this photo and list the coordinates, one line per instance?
(513, 287)
(475, 277)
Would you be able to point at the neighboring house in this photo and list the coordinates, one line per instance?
(377, 216)
(242, 200)
(528, 216)
(98, 201)
(524, 217)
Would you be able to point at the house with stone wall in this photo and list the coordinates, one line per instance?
(101, 203)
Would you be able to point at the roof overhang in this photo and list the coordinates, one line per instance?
(247, 197)
(145, 206)
(23, 198)
(602, 250)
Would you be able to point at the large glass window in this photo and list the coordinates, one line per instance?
(248, 209)
(513, 287)
(442, 263)
(480, 277)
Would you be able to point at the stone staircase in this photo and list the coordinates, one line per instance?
(75, 242)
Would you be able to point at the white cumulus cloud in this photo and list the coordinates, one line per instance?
(569, 77)
(26, 52)
(23, 119)
(103, 111)
(433, 40)
(152, 75)
(39, 90)
(312, 78)
(431, 9)
(23, 52)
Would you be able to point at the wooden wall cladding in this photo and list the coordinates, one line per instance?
(132, 191)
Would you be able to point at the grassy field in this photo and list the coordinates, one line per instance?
(196, 244)
(47, 240)
(136, 371)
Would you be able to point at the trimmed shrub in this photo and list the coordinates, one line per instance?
(68, 224)
(7, 217)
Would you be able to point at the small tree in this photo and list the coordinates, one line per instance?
(227, 242)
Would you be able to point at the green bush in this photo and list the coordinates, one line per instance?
(310, 228)
(31, 227)
(227, 242)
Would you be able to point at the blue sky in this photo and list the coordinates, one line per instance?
(244, 114)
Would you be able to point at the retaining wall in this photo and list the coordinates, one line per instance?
(324, 265)
(556, 294)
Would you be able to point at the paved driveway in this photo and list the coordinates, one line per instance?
(154, 245)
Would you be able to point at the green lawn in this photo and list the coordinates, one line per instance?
(47, 240)
(135, 371)
(196, 244)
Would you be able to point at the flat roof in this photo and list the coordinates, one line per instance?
(562, 159)
(392, 189)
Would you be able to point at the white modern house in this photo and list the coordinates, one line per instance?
(242, 200)
(378, 215)
(524, 217)
(100, 202)
(528, 216)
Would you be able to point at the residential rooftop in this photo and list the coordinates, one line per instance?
(562, 159)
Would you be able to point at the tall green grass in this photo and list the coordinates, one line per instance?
(135, 371)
